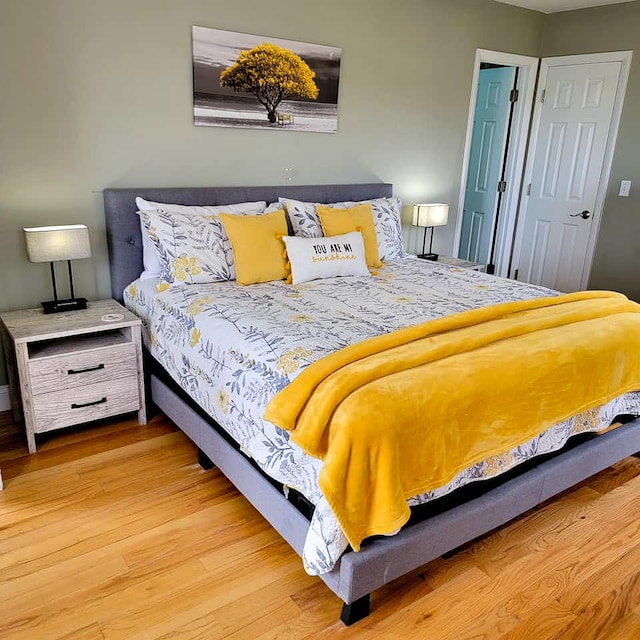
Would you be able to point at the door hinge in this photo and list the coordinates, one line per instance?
(543, 95)
(502, 186)
(529, 189)
(514, 95)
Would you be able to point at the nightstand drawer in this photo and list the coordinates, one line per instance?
(83, 404)
(73, 370)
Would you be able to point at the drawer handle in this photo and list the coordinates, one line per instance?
(88, 404)
(72, 372)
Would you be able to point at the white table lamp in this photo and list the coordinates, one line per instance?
(429, 216)
(50, 244)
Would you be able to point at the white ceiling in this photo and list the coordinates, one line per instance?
(553, 6)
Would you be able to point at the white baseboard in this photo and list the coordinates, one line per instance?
(5, 402)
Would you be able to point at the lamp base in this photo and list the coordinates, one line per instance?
(428, 256)
(57, 306)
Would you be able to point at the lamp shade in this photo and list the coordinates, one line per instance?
(430, 215)
(64, 242)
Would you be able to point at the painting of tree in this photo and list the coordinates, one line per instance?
(272, 74)
(249, 81)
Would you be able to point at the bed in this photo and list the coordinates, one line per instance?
(354, 575)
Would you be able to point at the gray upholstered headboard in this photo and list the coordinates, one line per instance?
(123, 224)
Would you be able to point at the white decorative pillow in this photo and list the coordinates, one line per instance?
(386, 220)
(189, 247)
(150, 258)
(315, 258)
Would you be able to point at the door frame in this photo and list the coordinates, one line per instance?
(517, 148)
(624, 57)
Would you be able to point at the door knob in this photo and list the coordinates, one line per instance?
(585, 215)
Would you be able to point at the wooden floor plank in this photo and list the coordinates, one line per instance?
(595, 617)
(122, 596)
(114, 531)
(627, 628)
(90, 632)
(567, 566)
(293, 588)
(588, 593)
(545, 624)
(536, 531)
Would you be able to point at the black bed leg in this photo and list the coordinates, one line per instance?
(357, 610)
(204, 460)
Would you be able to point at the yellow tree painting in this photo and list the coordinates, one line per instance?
(242, 80)
(272, 74)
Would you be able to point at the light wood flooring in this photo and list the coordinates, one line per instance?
(114, 531)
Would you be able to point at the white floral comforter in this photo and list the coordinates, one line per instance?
(232, 348)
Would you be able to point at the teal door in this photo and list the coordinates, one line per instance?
(488, 145)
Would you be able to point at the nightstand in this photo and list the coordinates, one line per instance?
(463, 264)
(75, 367)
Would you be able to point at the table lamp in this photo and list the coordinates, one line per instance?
(429, 216)
(65, 242)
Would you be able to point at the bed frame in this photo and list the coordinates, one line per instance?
(357, 574)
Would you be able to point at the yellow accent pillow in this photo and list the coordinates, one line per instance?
(257, 246)
(335, 222)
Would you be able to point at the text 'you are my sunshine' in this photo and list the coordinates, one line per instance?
(335, 251)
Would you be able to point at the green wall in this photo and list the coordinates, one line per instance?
(97, 93)
(612, 28)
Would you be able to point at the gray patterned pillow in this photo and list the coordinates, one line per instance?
(190, 247)
(386, 220)
(152, 264)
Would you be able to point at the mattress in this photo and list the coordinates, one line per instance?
(232, 348)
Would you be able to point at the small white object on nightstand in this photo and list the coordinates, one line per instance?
(112, 317)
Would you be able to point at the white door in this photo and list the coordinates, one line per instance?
(485, 162)
(568, 160)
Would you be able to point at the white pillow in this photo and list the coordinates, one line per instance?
(150, 258)
(315, 258)
(386, 220)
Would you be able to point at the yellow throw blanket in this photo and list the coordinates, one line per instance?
(403, 413)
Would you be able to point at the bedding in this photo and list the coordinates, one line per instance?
(305, 222)
(233, 348)
(382, 438)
